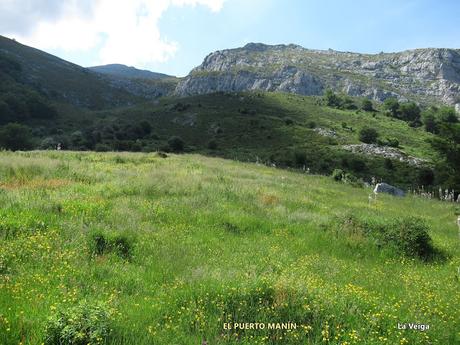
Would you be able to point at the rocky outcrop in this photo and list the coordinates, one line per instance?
(425, 75)
(286, 79)
(386, 152)
(388, 189)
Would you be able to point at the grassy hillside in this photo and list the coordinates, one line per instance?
(270, 127)
(139, 249)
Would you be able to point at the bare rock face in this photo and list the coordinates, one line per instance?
(424, 75)
(388, 189)
(386, 152)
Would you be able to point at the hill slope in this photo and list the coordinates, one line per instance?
(124, 71)
(274, 128)
(59, 79)
(203, 241)
(426, 75)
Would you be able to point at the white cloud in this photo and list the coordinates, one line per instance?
(121, 31)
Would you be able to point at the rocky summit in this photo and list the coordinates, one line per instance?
(424, 75)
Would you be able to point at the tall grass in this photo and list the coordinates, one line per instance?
(187, 243)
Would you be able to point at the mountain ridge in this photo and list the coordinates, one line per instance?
(120, 70)
(428, 75)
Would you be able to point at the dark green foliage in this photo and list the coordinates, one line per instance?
(85, 323)
(288, 121)
(447, 114)
(300, 158)
(338, 174)
(409, 112)
(357, 164)
(14, 136)
(176, 144)
(338, 101)
(181, 106)
(430, 122)
(101, 147)
(311, 124)
(366, 105)
(368, 135)
(331, 99)
(392, 142)
(10, 66)
(388, 164)
(347, 103)
(406, 236)
(212, 145)
(102, 243)
(392, 106)
(425, 176)
(447, 144)
(146, 127)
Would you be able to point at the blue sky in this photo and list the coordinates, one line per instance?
(173, 36)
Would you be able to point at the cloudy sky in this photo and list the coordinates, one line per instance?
(173, 36)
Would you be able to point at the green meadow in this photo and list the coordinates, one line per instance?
(138, 248)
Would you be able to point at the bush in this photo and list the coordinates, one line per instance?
(368, 135)
(176, 144)
(331, 99)
(407, 236)
(311, 124)
(101, 243)
(392, 106)
(85, 323)
(409, 112)
(288, 121)
(338, 174)
(366, 105)
(212, 145)
(14, 136)
(300, 158)
(102, 147)
(392, 142)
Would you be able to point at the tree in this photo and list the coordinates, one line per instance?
(448, 115)
(146, 127)
(366, 105)
(392, 105)
(332, 100)
(176, 144)
(409, 112)
(14, 136)
(429, 121)
(368, 135)
(448, 146)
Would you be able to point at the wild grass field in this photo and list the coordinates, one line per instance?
(134, 248)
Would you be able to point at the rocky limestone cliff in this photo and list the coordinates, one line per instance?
(424, 75)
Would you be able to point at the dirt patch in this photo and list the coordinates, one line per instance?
(35, 184)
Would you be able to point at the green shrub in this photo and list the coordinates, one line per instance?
(212, 145)
(176, 144)
(101, 243)
(366, 105)
(338, 174)
(311, 124)
(14, 136)
(407, 236)
(368, 135)
(392, 142)
(85, 323)
(300, 157)
(102, 147)
(288, 121)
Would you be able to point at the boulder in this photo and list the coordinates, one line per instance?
(389, 189)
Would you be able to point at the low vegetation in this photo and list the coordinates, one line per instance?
(142, 248)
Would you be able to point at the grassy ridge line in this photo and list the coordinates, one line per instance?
(212, 239)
